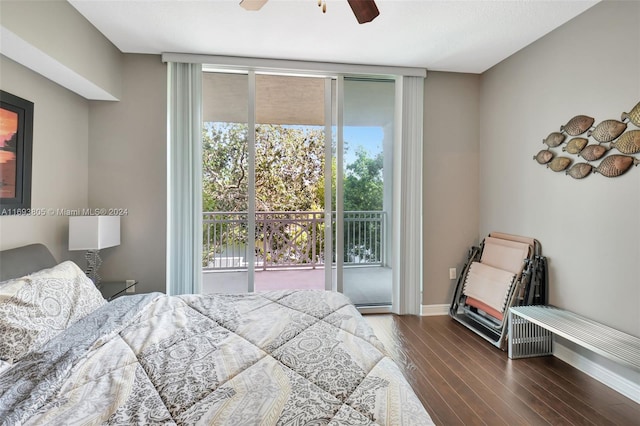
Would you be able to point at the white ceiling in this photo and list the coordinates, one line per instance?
(460, 36)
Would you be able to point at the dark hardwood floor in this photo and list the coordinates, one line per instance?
(463, 380)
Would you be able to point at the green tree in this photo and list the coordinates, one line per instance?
(289, 168)
(363, 191)
(363, 185)
(289, 171)
(224, 167)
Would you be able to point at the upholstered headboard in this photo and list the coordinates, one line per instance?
(20, 261)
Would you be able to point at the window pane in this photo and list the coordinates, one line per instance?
(225, 183)
(367, 188)
(289, 182)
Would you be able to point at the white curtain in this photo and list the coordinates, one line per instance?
(184, 178)
(407, 282)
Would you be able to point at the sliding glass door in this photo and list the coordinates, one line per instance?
(225, 175)
(290, 182)
(298, 184)
(266, 150)
(367, 184)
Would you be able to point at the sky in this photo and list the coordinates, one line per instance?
(368, 137)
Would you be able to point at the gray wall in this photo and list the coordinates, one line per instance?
(127, 169)
(589, 229)
(60, 157)
(450, 179)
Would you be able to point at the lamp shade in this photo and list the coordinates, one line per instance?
(93, 232)
(252, 4)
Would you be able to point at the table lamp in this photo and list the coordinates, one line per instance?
(93, 233)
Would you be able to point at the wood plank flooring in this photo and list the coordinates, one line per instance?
(463, 380)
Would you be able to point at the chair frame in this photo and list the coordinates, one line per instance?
(529, 288)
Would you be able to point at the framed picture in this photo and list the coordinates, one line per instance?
(16, 141)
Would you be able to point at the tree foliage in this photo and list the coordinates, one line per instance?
(289, 170)
(363, 185)
(289, 166)
(224, 167)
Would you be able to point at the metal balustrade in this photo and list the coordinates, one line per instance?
(290, 239)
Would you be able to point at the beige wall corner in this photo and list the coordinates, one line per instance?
(128, 170)
(450, 179)
(55, 40)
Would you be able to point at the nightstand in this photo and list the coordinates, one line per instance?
(112, 289)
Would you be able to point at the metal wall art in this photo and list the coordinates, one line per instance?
(629, 143)
(615, 165)
(577, 125)
(554, 139)
(608, 130)
(558, 164)
(544, 156)
(633, 116)
(580, 170)
(575, 145)
(592, 152)
(608, 135)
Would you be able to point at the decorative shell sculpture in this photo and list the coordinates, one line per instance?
(629, 143)
(575, 145)
(554, 139)
(593, 152)
(558, 164)
(633, 116)
(608, 130)
(577, 125)
(616, 165)
(609, 134)
(580, 170)
(544, 156)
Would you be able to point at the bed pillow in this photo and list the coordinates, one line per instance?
(37, 307)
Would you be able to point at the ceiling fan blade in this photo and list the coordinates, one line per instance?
(365, 10)
(252, 4)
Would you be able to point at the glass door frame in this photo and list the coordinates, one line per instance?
(329, 284)
(251, 181)
(332, 282)
(339, 284)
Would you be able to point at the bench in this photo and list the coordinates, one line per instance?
(531, 330)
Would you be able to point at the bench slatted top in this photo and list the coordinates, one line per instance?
(597, 337)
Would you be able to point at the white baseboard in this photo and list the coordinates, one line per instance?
(628, 388)
(434, 310)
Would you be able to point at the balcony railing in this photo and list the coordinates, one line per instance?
(290, 239)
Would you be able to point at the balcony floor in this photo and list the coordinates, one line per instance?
(369, 285)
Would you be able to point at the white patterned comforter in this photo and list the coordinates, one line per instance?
(277, 358)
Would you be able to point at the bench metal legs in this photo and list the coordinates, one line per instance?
(527, 339)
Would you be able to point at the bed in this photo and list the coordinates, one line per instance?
(274, 358)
